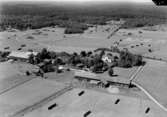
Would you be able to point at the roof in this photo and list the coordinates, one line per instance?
(101, 77)
(18, 54)
(85, 74)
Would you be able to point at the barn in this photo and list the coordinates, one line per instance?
(22, 56)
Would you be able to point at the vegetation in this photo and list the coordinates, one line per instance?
(128, 59)
(110, 71)
(49, 61)
(3, 55)
(76, 18)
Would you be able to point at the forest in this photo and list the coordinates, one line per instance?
(76, 18)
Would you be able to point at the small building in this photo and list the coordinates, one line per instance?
(23, 56)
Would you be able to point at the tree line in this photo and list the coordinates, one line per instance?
(75, 19)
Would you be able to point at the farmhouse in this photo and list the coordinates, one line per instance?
(110, 57)
(23, 56)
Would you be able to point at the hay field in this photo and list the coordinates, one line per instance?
(153, 78)
(13, 74)
(54, 38)
(143, 39)
(26, 95)
(100, 104)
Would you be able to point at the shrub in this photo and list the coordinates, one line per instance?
(30, 37)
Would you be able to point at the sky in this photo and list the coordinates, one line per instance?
(136, 1)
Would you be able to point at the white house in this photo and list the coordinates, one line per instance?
(107, 59)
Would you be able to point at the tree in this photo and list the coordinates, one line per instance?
(83, 54)
(139, 60)
(52, 55)
(27, 73)
(111, 71)
(59, 61)
(89, 53)
(31, 59)
(102, 53)
(44, 53)
(38, 58)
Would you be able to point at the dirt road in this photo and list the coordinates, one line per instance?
(41, 102)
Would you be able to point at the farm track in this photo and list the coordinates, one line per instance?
(150, 96)
(144, 90)
(41, 102)
(156, 59)
(21, 83)
(133, 76)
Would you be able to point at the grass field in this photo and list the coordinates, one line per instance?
(100, 104)
(13, 74)
(141, 38)
(153, 79)
(54, 39)
(26, 95)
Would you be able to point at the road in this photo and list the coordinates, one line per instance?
(144, 90)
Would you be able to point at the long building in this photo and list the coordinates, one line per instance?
(92, 77)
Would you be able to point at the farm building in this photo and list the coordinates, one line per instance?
(81, 74)
(96, 79)
(16, 55)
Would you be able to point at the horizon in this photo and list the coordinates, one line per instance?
(80, 1)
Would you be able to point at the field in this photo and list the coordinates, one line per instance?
(26, 95)
(141, 31)
(99, 104)
(13, 74)
(140, 40)
(56, 41)
(153, 79)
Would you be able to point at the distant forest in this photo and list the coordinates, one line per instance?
(75, 18)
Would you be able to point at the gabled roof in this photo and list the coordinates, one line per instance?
(18, 54)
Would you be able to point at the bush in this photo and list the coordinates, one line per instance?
(30, 37)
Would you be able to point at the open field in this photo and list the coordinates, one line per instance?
(12, 74)
(99, 104)
(142, 39)
(54, 39)
(142, 29)
(160, 54)
(26, 95)
(153, 79)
